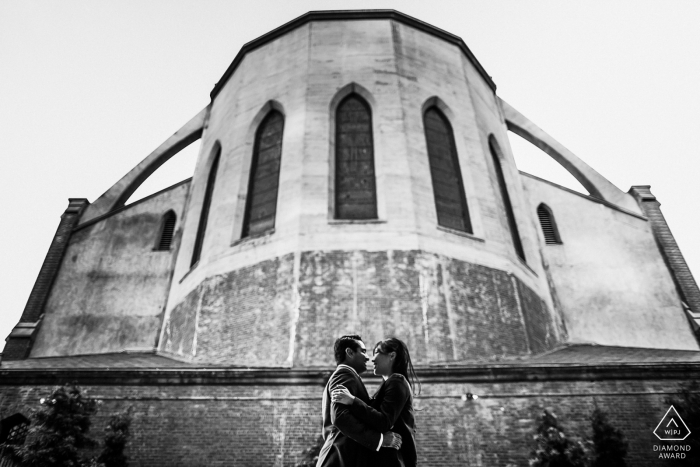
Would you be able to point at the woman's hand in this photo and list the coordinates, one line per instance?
(341, 395)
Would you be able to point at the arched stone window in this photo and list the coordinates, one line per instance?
(355, 185)
(515, 235)
(448, 189)
(167, 229)
(549, 225)
(204, 216)
(261, 202)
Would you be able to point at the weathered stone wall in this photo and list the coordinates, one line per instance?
(289, 311)
(111, 289)
(608, 274)
(270, 425)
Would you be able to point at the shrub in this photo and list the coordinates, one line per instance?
(554, 448)
(609, 443)
(59, 429)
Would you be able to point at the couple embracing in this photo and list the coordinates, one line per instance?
(361, 431)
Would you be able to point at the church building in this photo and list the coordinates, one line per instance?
(355, 177)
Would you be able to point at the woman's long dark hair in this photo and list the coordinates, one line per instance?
(402, 363)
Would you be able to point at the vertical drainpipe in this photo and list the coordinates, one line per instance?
(19, 342)
(680, 272)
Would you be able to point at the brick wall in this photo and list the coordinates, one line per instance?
(271, 315)
(270, 424)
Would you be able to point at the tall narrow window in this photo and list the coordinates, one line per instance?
(261, 203)
(204, 216)
(549, 225)
(355, 188)
(448, 189)
(515, 235)
(167, 229)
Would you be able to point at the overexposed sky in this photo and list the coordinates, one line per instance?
(89, 88)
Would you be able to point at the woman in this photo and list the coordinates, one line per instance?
(391, 407)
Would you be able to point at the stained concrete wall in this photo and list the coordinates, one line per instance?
(608, 274)
(288, 311)
(398, 70)
(111, 289)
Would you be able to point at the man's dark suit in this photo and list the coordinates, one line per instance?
(348, 443)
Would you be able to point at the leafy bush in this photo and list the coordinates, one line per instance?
(59, 433)
(609, 444)
(116, 437)
(554, 448)
(59, 429)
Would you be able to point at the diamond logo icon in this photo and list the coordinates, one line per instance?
(671, 427)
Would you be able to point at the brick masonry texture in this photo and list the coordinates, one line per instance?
(446, 310)
(270, 425)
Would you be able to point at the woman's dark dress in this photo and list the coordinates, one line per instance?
(391, 409)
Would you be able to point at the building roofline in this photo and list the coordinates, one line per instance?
(350, 15)
(585, 196)
(104, 216)
(475, 373)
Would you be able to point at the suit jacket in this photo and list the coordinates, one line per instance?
(348, 442)
(391, 408)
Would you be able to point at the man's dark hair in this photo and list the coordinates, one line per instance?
(345, 342)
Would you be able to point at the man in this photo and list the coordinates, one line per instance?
(349, 443)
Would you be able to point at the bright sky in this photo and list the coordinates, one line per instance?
(88, 89)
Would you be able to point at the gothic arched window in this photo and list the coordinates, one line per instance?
(549, 225)
(167, 229)
(261, 203)
(448, 189)
(204, 216)
(515, 235)
(355, 187)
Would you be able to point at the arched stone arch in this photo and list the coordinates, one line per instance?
(259, 117)
(435, 101)
(597, 185)
(119, 193)
(351, 88)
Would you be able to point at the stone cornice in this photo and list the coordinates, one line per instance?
(350, 15)
(498, 373)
